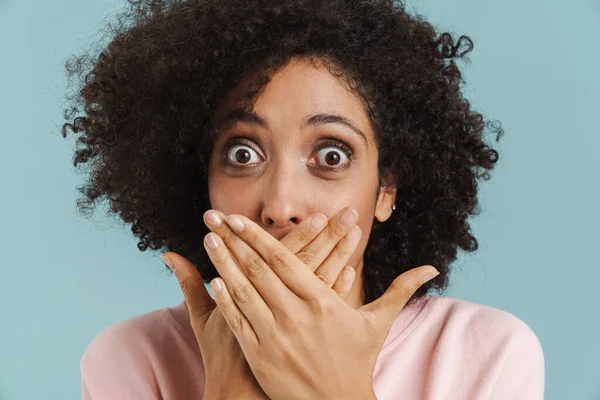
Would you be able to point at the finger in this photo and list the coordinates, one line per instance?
(256, 271)
(235, 318)
(295, 240)
(317, 251)
(344, 282)
(304, 233)
(382, 312)
(275, 260)
(298, 237)
(241, 292)
(197, 298)
(329, 270)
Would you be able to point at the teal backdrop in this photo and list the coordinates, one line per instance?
(534, 67)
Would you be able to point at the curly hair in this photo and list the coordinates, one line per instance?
(144, 109)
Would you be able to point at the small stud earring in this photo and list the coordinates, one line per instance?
(394, 207)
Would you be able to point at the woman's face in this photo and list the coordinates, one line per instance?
(277, 169)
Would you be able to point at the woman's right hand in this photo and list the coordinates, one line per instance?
(227, 373)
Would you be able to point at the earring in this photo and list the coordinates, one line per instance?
(394, 207)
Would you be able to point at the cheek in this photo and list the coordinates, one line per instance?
(365, 223)
(366, 214)
(226, 197)
(364, 204)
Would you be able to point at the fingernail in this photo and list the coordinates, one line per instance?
(429, 276)
(354, 235)
(235, 223)
(318, 222)
(168, 261)
(349, 217)
(211, 241)
(213, 218)
(217, 285)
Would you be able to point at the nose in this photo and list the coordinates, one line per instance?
(283, 201)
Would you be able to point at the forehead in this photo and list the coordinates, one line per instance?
(298, 90)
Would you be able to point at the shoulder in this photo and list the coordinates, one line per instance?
(479, 319)
(116, 364)
(143, 338)
(130, 336)
(125, 359)
(515, 348)
(452, 348)
(149, 356)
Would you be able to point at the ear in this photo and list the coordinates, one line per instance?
(386, 198)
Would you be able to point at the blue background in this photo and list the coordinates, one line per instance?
(534, 67)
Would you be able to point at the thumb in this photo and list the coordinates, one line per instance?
(383, 312)
(200, 304)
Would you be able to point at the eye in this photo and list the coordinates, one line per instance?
(333, 154)
(241, 154)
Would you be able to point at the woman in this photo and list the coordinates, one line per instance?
(276, 115)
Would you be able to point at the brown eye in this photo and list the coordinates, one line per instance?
(331, 157)
(241, 155)
(333, 154)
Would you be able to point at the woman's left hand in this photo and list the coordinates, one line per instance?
(301, 340)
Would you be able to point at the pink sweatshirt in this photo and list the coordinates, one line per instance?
(438, 348)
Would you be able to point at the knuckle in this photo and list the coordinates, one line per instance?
(334, 233)
(237, 323)
(304, 235)
(324, 278)
(242, 294)
(255, 266)
(307, 257)
(279, 259)
(228, 236)
(188, 285)
(322, 307)
(344, 249)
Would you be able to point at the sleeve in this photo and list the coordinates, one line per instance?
(116, 366)
(522, 375)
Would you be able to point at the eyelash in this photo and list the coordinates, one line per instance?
(326, 142)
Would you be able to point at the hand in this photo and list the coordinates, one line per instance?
(301, 341)
(220, 350)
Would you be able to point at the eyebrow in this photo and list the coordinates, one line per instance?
(239, 114)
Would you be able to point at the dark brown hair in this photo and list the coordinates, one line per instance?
(143, 110)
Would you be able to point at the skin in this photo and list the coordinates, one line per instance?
(222, 356)
(291, 327)
(283, 187)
